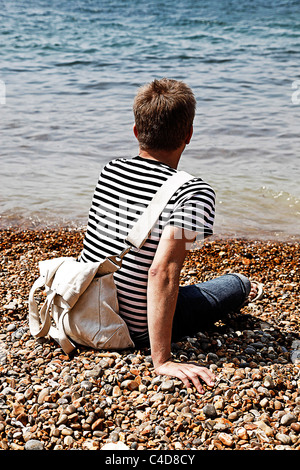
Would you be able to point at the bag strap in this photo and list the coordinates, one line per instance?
(142, 228)
(39, 320)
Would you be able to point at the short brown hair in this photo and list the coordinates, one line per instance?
(164, 111)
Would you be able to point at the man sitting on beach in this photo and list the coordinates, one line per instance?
(156, 310)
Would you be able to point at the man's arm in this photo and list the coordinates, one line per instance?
(163, 285)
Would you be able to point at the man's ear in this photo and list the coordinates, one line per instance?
(189, 136)
(135, 130)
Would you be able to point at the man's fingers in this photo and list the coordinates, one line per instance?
(208, 376)
(196, 382)
(203, 372)
(192, 373)
(183, 377)
(188, 373)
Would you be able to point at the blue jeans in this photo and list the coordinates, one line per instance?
(201, 305)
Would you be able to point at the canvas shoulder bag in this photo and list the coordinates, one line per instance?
(81, 305)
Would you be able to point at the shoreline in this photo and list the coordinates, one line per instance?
(53, 401)
(80, 226)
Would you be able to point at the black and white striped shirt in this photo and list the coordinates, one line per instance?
(125, 187)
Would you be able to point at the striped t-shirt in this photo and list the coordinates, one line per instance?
(125, 187)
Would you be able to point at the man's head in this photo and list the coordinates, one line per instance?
(164, 111)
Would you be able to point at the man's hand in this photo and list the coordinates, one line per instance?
(187, 372)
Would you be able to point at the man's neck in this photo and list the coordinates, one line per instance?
(170, 158)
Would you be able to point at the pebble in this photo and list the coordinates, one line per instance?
(283, 438)
(210, 411)
(34, 444)
(43, 394)
(96, 400)
(295, 356)
(167, 386)
(226, 439)
(288, 419)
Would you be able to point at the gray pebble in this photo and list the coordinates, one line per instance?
(34, 444)
(284, 438)
(288, 419)
(212, 357)
(210, 411)
(295, 356)
(94, 373)
(86, 384)
(11, 327)
(167, 386)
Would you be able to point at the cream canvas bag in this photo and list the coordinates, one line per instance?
(81, 304)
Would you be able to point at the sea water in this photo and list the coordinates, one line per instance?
(69, 71)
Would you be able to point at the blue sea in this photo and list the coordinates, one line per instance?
(69, 71)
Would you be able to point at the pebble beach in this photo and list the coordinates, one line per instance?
(50, 401)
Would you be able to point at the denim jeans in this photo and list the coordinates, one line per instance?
(201, 305)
